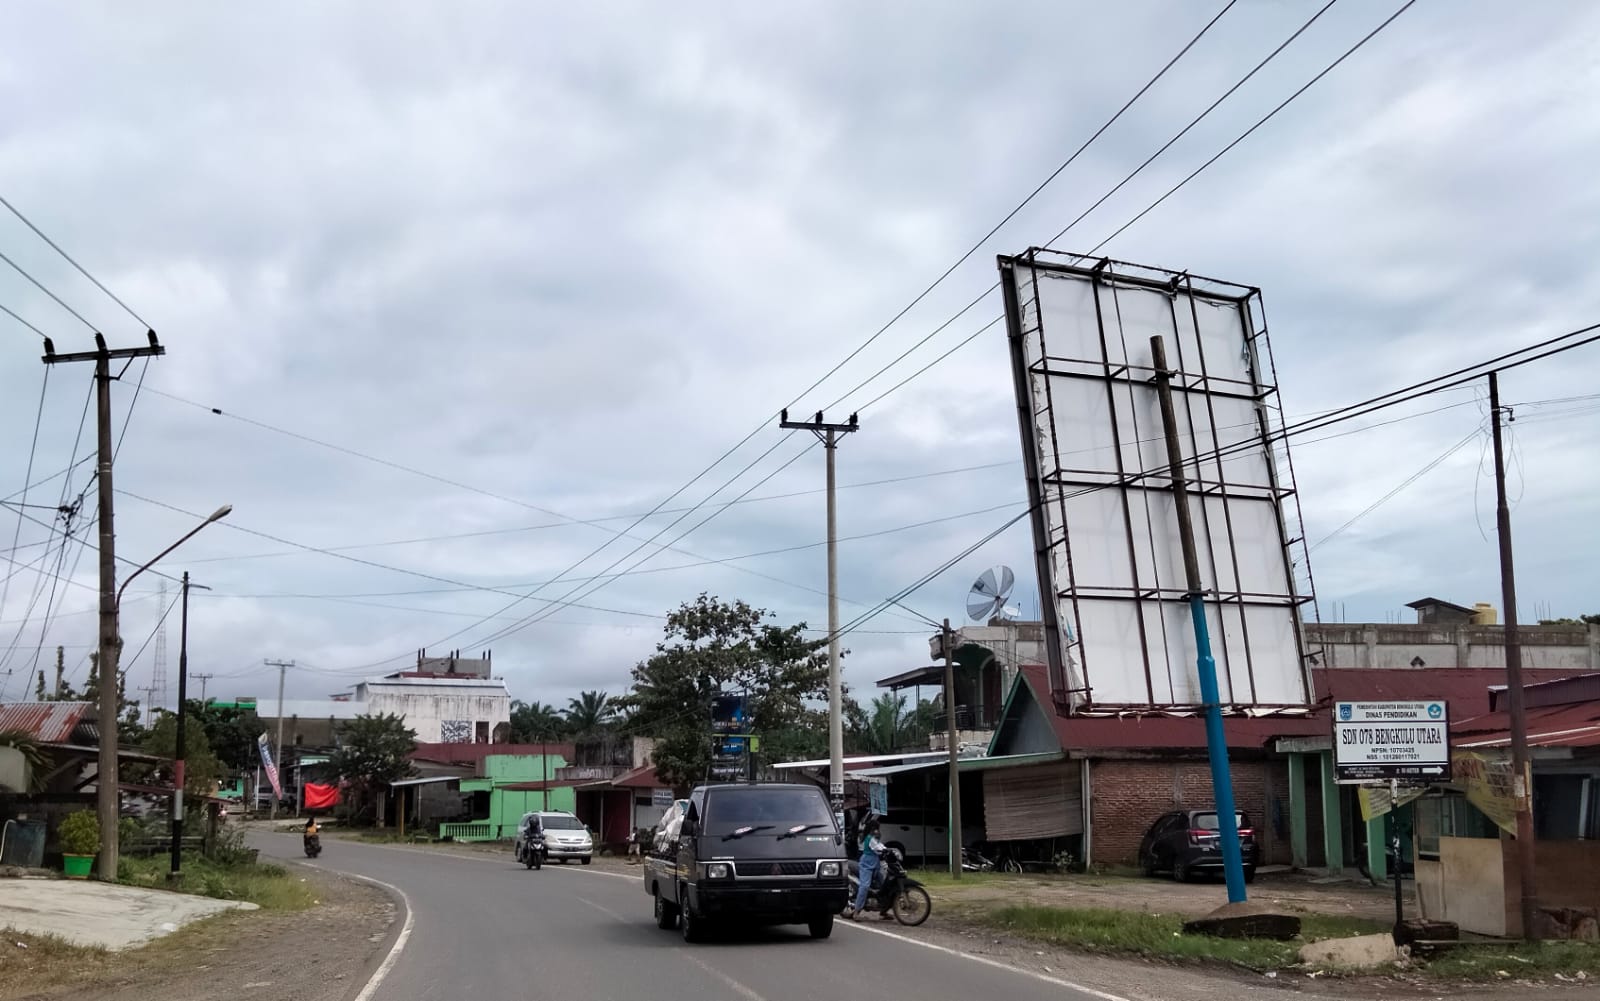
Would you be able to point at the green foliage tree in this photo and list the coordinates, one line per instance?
(1582, 620)
(711, 647)
(534, 722)
(590, 714)
(373, 751)
(231, 732)
(202, 770)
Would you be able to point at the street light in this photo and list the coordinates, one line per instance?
(110, 654)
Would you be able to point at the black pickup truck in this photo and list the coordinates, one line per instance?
(752, 854)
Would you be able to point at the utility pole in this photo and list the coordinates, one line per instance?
(952, 738)
(1210, 694)
(277, 753)
(150, 703)
(179, 758)
(1521, 789)
(107, 794)
(203, 678)
(829, 434)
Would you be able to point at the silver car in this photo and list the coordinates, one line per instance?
(566, 837)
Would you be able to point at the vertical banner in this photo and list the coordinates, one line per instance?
(1488, 781)
(270, 765)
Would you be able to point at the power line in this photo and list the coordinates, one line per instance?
(128, 667)
(33, 448)
(7, 310)
(40, 286)
(1264, 120)
(81, 270)
(1414, 477)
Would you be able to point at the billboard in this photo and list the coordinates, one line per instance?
(1379, 741)
(1106, 542)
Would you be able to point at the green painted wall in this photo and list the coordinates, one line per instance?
(507, 806)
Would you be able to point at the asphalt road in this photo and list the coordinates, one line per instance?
(488, 928)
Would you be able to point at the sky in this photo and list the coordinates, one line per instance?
(452, 298)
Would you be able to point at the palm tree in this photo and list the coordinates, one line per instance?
(535, 721)
(589, 713)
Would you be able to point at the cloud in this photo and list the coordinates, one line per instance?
(568, 257)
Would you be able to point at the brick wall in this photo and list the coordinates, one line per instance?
(1127, 796)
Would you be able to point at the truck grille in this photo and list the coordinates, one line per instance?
(769, 869)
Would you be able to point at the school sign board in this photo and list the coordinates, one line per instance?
(1380, 741)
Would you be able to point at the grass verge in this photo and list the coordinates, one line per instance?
(1160, 936)
(1528, 960)
(269, 886)
(32, 964)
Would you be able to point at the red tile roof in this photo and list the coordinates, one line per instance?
(473, 754)
(1466, 690)
(46, 722)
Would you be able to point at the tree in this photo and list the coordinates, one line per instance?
(1582, 620)
(535, 722)
(880, 728)
(202, 770)
(589, 714)
(230, 731)
(374, 750)
(711, 647)
(32, 753)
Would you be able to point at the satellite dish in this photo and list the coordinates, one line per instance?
(989, 593)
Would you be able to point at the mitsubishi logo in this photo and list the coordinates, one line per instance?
(777, 870)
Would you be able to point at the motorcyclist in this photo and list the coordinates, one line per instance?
(310, 836)
(872, 852)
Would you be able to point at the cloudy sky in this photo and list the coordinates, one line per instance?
(474, 289)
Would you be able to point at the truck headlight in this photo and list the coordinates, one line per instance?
(718, 870)
(828, 870)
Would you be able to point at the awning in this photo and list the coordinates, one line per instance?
(932, 676)
(864, 759)
(425, 781)
(965, 764)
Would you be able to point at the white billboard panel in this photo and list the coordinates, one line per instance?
(1105, 523)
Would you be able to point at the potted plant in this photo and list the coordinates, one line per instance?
(80, 842)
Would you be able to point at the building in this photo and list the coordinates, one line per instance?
(1464, 841)
(1446, 635)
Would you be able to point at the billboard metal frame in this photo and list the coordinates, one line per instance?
(1216, 496)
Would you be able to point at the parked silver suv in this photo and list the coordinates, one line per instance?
(565, 837)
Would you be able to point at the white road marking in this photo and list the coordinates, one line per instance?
(370, 991)
(738, 988)
(1057, 981)
(745, 991)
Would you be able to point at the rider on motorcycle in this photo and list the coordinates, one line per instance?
(872, 851)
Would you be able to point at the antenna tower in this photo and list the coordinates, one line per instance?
(158, 674)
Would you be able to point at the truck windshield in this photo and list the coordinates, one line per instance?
(773, 810)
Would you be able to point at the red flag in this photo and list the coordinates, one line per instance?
(321, 797)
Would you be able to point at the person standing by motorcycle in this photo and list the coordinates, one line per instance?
(872, 849)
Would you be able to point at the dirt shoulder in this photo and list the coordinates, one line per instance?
(325, 953)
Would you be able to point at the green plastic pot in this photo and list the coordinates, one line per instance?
(77, 866)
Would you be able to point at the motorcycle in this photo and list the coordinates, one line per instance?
(531, 852)
(973, 861)
(312, 845)
(898, 893)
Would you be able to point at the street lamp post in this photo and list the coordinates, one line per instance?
(111, 655)
(180, 754)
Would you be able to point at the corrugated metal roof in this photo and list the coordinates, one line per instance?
(46, 722)
(1573, 725)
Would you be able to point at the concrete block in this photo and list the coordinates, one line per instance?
(1360, 953)
(1245, 920)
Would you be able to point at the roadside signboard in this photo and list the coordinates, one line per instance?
(1384, 741)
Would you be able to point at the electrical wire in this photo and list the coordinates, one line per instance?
(1414, 477)
(1251, 130)
(33, 448)
(126, 668)
(7, 310)
(69, 259)
(40, 286)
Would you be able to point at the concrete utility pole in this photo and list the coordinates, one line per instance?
(829, 434)
(107, 795)
(953, 739)
(1210, 694)
(202, 678)
(277, 752)
(1521, 790)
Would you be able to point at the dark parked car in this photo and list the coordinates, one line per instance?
(1186, 844)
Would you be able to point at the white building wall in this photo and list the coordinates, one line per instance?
(440, 711)
(1399, 647)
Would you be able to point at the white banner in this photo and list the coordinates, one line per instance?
(270, 765)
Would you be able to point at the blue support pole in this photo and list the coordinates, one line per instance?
(1217, 752)
(1210, 694)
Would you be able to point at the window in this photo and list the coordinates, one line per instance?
(557, 822)
(1209, 822)
(1449, 815)
(772, 807)
(482, 732)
